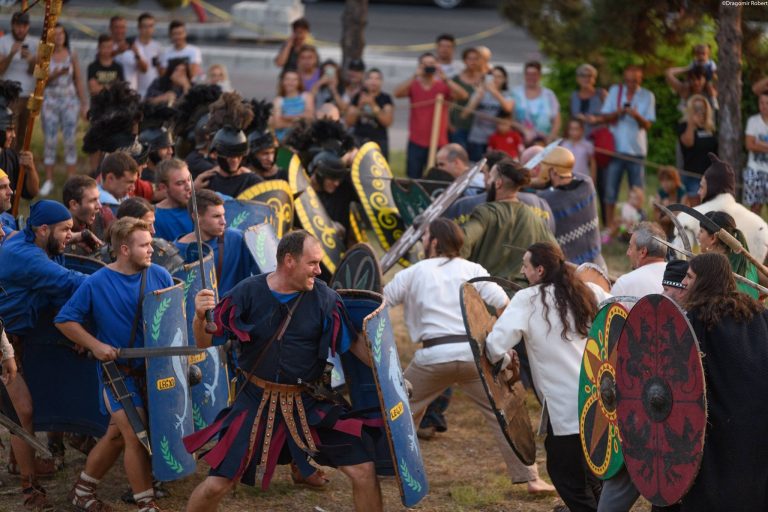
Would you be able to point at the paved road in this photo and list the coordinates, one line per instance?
(404, 23)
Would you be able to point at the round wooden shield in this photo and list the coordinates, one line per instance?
(507, 399)
(313, 216)
(358, 270)
(373, 179)
(661, 402)
(278, 195)
(598, 429)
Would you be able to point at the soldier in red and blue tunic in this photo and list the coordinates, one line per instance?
(285, 322)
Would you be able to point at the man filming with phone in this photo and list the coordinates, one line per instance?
(629, 110)
(422, 90)
(17, 63)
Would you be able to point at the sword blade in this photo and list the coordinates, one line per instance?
(148, 352)
(17, 430)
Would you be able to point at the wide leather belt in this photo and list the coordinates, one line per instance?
(288, 397)
(445, 340)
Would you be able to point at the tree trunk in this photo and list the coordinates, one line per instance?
(353, 22)
(730, 128)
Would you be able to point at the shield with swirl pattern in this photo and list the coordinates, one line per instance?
(313, 216)
(278, 195)
(373, 180)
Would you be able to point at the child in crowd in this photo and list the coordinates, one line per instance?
(583, 150)
(671, 191)
(632, 213)
(702, 60)
(505, 138)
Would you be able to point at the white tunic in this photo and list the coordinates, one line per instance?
(753, 226)
(429, 292)
(555, 361)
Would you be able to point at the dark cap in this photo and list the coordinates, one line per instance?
(720, 178)
(675, 273)
(20, 18)
(356, 65)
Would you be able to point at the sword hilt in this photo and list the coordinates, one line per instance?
(210, 325)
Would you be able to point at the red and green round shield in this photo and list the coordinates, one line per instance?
(661, 404)
(598, 429)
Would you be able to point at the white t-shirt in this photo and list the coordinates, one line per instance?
(17, 69)
(757, 128)
(151, 51)
(641, 281)
(429, 292)
(555, 360)
(127, 61)
(190, 52)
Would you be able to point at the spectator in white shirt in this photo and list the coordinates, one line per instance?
(177, 31)
(429, 291)
(17, 62)
(445, 45)
(151, 51)
(125, 52)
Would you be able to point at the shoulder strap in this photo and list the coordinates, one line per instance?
(276, 336)
(136, 317)
(220, 259)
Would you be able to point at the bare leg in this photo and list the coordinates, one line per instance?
(49, 172)
(71, 169)
(366, 491)
(22, 402)
(610, 210)
(105, 453)
(138, 469)
(207, 495)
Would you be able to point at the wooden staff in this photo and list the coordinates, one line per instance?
(35, 103)
(434, 138)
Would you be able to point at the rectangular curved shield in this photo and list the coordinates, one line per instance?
(211, 395)
(262, 243)
(49, 357)
(243, 214)
(169, 401)
(390, 389)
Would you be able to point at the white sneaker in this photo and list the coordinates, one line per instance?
(47, 188)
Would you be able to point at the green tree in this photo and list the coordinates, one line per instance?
(656, 34)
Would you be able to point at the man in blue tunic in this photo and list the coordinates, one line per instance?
(109, 300)
(171, 217)
(34, 282)
(231, 257)
(286, 322)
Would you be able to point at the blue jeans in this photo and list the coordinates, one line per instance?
(416, 160)
(614, 173)
(692, 184)
(459, 136)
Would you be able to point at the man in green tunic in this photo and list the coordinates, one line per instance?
(498, 232)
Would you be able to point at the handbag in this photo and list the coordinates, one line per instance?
(602, 138)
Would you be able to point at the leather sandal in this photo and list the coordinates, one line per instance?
(316, 480)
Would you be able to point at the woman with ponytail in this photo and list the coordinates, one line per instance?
(553, 317)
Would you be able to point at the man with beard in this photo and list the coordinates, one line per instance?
(498, 231)
(462, 208)
(81, 197)
(229, 177)
(109, 299)
(171, 217)
(231, 256)
(34, 282)
(292, 317)
(17, 63)
(428, 291)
